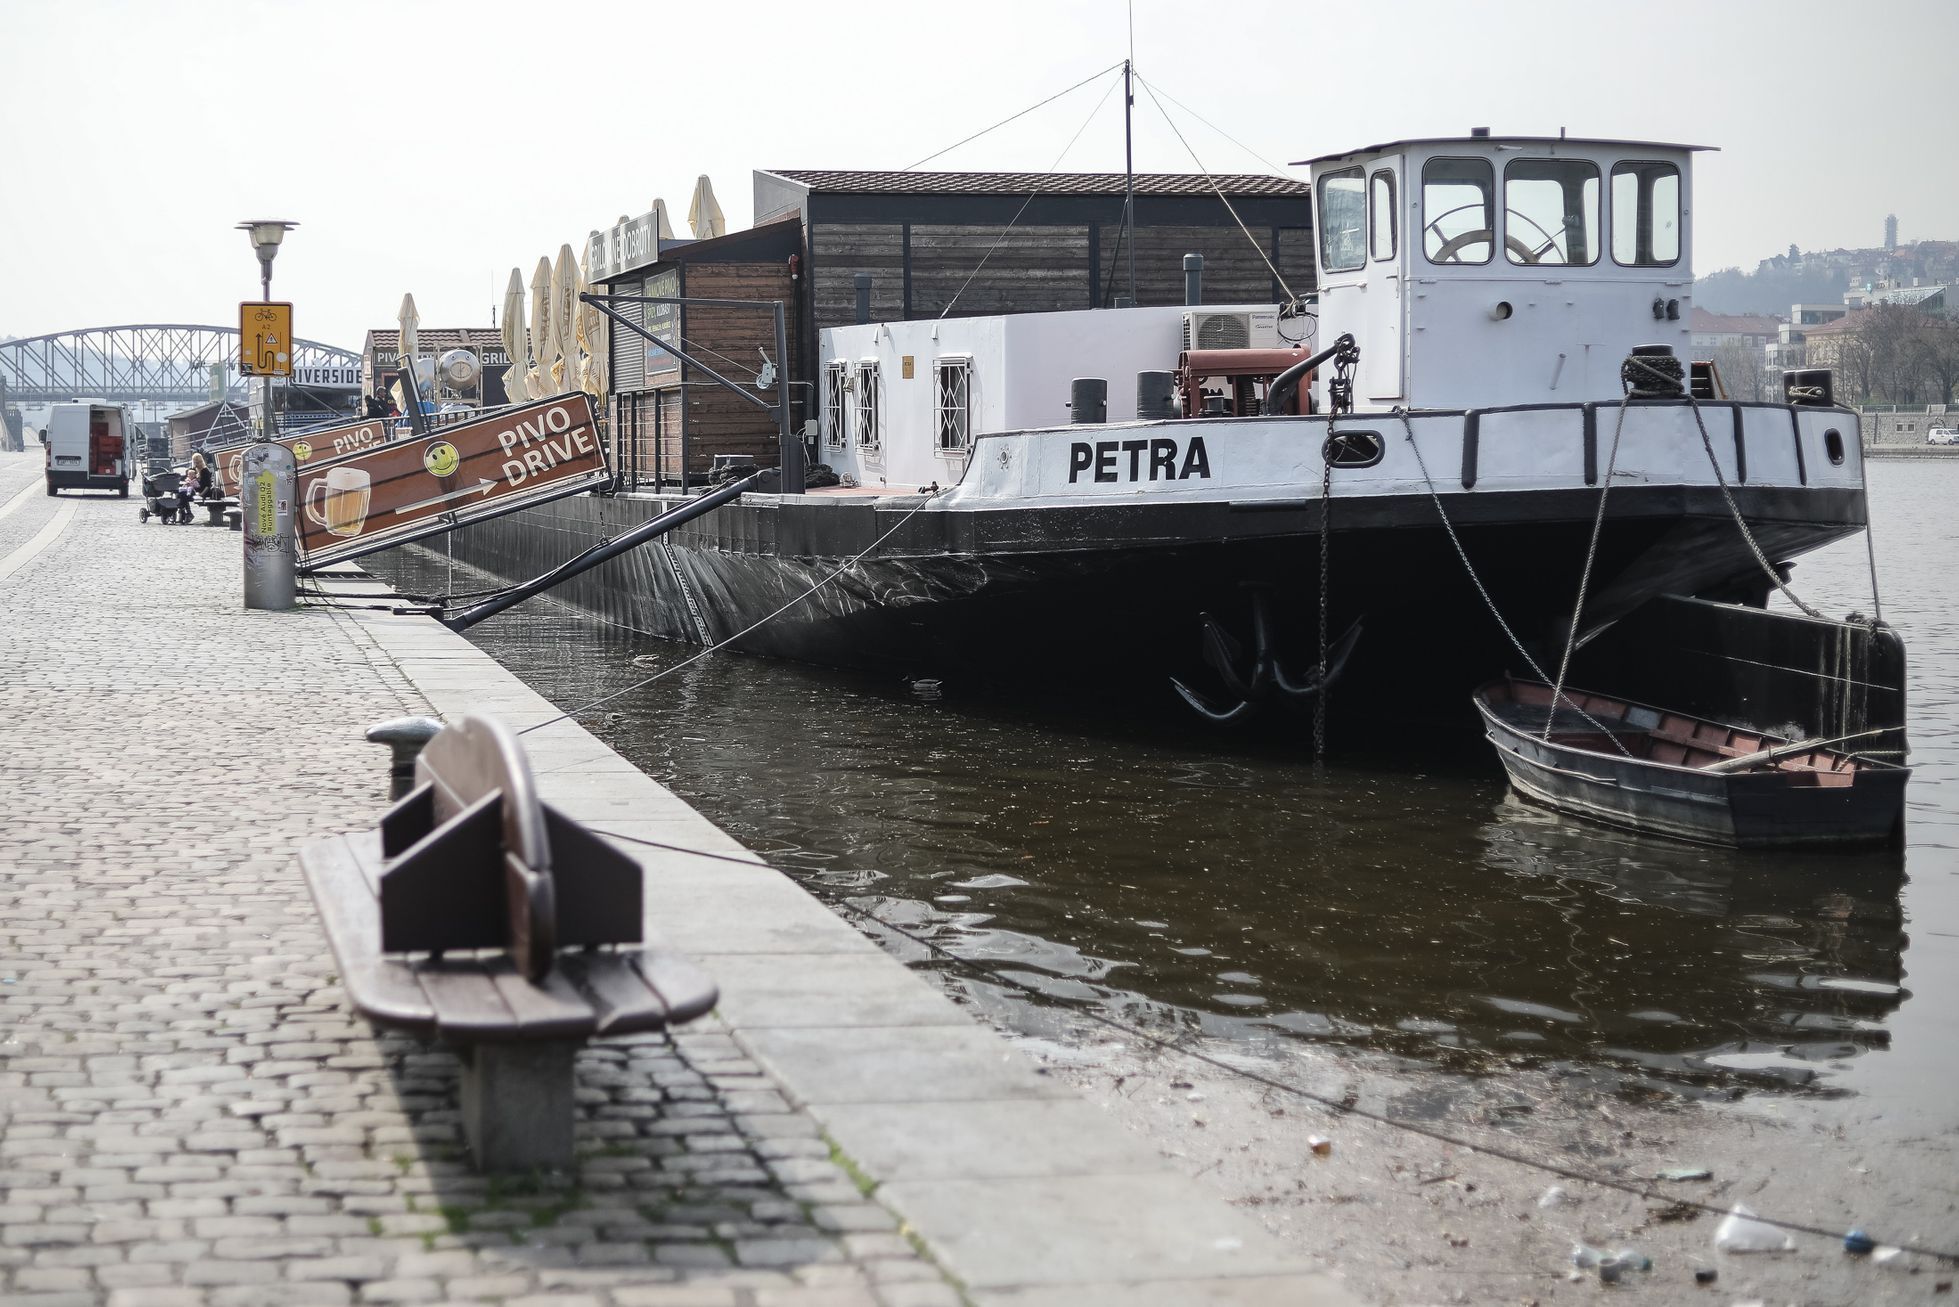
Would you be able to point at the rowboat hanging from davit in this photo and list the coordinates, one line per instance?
(1651, 770)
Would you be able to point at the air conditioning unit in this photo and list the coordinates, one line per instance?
(1234, 329)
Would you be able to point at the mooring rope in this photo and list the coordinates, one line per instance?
(1408, 429)
(1721, 479)
(756, 625)
(1585, 577)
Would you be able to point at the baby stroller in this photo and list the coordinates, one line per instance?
(161, 498)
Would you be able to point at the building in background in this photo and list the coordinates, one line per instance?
(1740, 347)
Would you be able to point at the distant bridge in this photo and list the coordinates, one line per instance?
(162, 362)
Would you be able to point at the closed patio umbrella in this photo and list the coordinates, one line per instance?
(703, 214)
(544, 342)
(516, 340)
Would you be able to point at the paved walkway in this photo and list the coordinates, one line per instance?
(190, 1114)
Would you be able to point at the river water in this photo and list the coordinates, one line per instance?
(1404, 904)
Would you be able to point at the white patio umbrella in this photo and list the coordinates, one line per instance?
(516, 340)
(662, 229)
(564, 320)
(544, 342)
(703, 214)
(592, 326)
(410, 346)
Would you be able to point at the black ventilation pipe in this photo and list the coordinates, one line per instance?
(1280, 396)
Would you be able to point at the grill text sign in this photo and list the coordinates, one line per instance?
(307, 447)
(393, 493)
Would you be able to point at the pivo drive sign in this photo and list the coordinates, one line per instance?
(397, 492)
(307, 447)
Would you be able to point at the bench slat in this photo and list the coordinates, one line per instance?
(683, 987)
(624, 1000)
(468, 1008)
(549, 1009)
(381, 989)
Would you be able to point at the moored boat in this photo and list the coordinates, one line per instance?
(1667, 773)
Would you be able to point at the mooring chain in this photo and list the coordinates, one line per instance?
(1408, 429)
(1326, 517)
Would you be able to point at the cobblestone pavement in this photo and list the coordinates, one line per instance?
(190, 1114)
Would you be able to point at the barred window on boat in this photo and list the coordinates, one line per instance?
(1550, 212)
(870, 436)
(1458, 210)
(1343, 221)
(952, 383)
(1381, 218)
(1645, 214)
(836, 381)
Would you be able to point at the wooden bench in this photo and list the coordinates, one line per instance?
(478, 915)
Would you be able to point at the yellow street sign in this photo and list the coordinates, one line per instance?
(265, 341)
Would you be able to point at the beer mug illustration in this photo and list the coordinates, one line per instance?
(346, 491)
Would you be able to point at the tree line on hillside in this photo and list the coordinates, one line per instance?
(1768, 290)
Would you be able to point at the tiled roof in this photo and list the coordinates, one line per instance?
(1026, 183)
(385, 342)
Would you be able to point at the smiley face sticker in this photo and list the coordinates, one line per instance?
(441, 459)
(301, 451)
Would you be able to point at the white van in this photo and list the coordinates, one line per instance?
(89, 447)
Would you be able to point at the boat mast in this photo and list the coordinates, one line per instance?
(1129, 167)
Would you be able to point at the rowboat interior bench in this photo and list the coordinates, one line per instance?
(478, 915)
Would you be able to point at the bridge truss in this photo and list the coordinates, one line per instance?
(161, 362)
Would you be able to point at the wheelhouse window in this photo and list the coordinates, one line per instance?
(1458, 210)
(1645, 214)
(836, 382)
(1381, 214)
(1550, 212)
(952, 386)
(1343, 221)
(870, 436)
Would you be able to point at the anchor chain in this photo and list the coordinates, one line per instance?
(1326, 541)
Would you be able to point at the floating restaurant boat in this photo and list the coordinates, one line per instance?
(1663, 772)
(1416, 459)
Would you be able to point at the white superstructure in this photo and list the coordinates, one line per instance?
(1477, 271)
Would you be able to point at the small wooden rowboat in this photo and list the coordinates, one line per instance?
(1666, 773)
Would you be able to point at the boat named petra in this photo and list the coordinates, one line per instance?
(1401, 481)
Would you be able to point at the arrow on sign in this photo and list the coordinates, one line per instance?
(483, 487)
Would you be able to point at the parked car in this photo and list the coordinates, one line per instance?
(1942, 436)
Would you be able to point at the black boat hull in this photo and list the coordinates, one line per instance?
(1096, 599)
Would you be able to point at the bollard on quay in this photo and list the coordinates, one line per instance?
(405, 738)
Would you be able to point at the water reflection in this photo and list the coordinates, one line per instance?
(1405, 905)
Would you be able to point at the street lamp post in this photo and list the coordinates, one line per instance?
(269, 476)
(266, 234)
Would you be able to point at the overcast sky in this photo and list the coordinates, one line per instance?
(431, 147)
